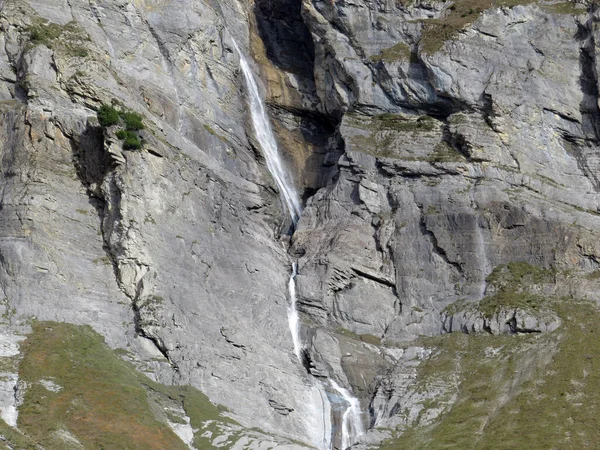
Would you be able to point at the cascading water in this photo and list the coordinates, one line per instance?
(352, 426)
(480, 248)
(316, 397)
(293, 318)
(266, 138)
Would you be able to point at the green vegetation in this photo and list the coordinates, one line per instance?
(133, 122)
(513, 283)
(534, 392)
(367, 338)
(104, 402)
(382, 131)
(520, 273)
(565, 8)
(444, 152)
(132, 141)
(399, 122)
(595, 275)
(45, 33)
(398, 52)
(15, 438)
(69, 38)
(212, 131)
(393, 122)
(108, 116)
(458, 15)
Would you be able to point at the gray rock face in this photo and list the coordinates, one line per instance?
(170, 252)
(423, 170)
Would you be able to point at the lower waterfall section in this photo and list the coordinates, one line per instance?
(293, 318)
(351, 418)
(352, 426)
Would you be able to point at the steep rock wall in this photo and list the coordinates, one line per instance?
(434, 143)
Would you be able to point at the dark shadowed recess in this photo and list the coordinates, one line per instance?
(287, 40)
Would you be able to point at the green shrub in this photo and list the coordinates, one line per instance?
(121, 134)
(44, 34)
(133, 121)
(132, 141)
(107, 116)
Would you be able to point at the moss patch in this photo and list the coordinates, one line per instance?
(527, 392)
(104, 401)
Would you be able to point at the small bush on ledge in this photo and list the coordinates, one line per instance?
(108, 116)
(133, 122)
(131, 141)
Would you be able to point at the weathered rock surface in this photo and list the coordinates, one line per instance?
(424, 166)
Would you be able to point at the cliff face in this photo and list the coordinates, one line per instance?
(447, 154)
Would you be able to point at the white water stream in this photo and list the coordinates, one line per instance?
(317, 400)
(293, 318)
(352, 426)
(480, 247)
(266, 139)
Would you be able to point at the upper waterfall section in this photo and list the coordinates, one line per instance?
(266, 139)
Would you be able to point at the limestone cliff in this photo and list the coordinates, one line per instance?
(447, 154)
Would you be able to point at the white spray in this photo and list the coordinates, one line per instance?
(351, 420)
(352, 426)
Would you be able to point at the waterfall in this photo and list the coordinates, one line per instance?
(480, 247)
(352, 426)
(266, 139)
(293, 318)
(319, 422)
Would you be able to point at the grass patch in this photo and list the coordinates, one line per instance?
(398, 52)
(382, 128)
(45, 33)
(16, 439)
(518, 274)
(212, 132)
(564, 8)
(595, 275)
(104, 402)
(398, 122)
(513, 283)
(69, 38)
(531, 392)
(367, 338)
(443, 152)
(509, 300)
(436, 32)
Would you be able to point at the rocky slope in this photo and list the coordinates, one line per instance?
(448, 157)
